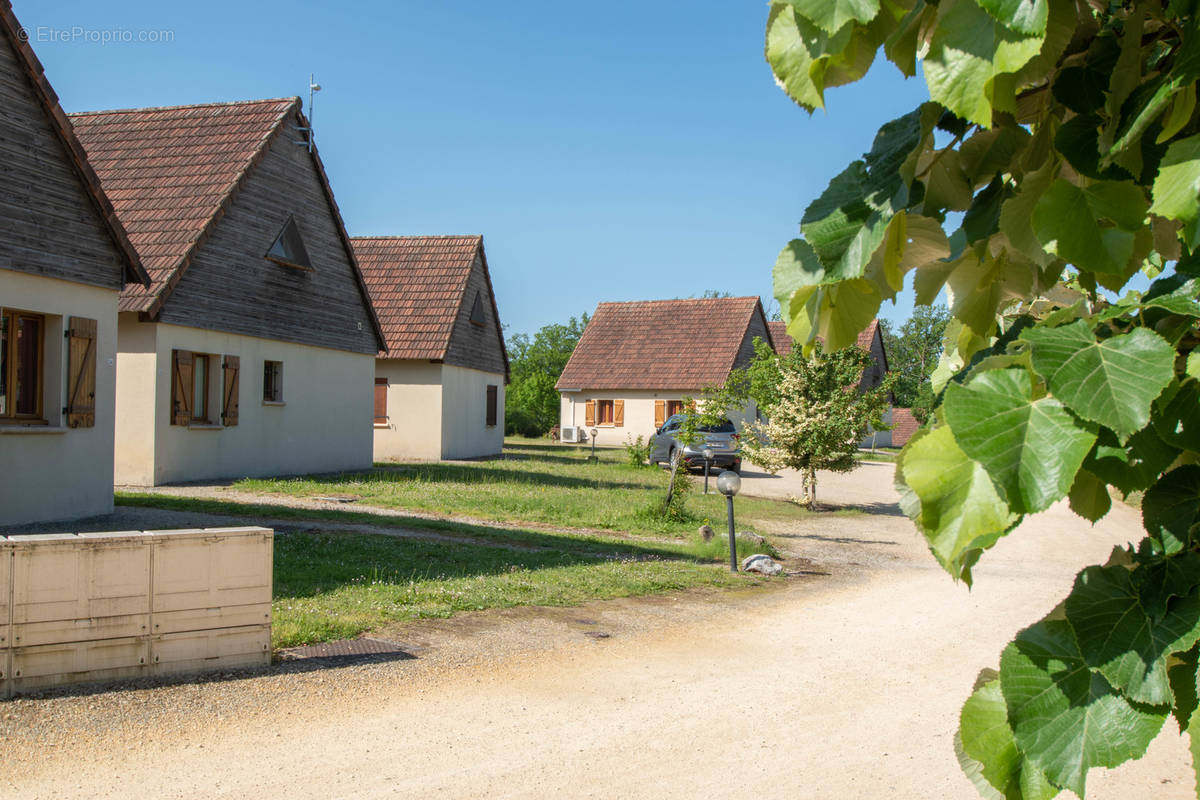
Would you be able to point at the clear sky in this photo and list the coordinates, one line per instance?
(628, 150)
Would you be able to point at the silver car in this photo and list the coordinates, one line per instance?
(722, 439)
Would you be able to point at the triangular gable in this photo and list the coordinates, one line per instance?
(43, 102)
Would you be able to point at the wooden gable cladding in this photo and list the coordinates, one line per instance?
(230, 379)
(54, 220)
(81, 373)
(476, 341)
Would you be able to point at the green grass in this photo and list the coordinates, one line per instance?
(533, 482)
(887, 454)
(332, 586)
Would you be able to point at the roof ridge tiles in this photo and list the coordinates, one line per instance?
(186, 106)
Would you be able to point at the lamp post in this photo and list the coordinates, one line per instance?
(708, 454)
(592, 457)
(729, 484)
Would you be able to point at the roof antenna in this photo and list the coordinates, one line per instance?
(313, 88)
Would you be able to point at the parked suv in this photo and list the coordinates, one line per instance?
(721, 438)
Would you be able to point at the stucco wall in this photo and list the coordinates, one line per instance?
(51, 471)
(414, 406)
(639, 413)
(465, 433)
(322, 425)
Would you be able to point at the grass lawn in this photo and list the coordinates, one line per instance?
(534, 481)
(888, 454)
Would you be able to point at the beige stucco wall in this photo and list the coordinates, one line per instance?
(51, 471)
(322, 425)
(414, 405)
(437, 411)
(465, 432)
(639, 412)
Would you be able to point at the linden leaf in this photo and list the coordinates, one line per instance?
(1176, 189)
(831, 15)
(1092, 227)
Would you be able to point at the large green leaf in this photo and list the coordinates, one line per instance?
(1089, 496)
(1133, 466)
(1171, 508)
(1016, 216)
(1183, 674)
(831, 15)
(1117, 636)
(1092, 227)
(1176, 190)
(988, 751)
(1023, 16)
(1112, 382)
(967, 53)
(980, 288)
(960, 512)
(794, 49)
(1177, 420)
(1031, 448)
(1066, 718)
(834, 312)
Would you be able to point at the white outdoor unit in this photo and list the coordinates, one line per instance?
(570, 434)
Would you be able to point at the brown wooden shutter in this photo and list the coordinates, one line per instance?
(589, 416)
(81, 373)
(381, 387)
(619, 413)
(181, 387)
(660, 413)
(229, 405)
(492, 397)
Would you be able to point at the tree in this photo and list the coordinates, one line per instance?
(531, 402)
(816, 413)
(1068, 135)
(913, 353)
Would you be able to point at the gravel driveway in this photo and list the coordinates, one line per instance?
(843, 682)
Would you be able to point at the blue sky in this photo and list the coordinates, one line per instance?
(620, 151)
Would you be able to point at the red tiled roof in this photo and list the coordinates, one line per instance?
(660, 344)
(417, 285)
(783, 342)
(904, 425)
(171, 171)
(19, 40)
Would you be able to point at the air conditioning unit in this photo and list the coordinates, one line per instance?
(570, 434)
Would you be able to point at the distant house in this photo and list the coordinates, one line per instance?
(636, 362)
(252, 350)
(64, 258)
(871, 340)
(439, 388)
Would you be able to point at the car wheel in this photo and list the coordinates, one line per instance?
(670, 457)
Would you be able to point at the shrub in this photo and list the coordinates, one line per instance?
(637, 450)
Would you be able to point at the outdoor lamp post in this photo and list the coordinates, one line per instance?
(729, 484)
(592, 457)
(708, 454)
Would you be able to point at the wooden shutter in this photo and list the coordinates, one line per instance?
(229, 391)
(660, 413)
(619, 413)
(381, 387)
(81, 373)
(589, 417)
(181, 387)
(492, 396)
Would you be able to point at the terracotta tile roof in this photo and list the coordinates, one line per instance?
(904, 425)
(18, 39)
(783, 342)
(171, 171)
(417, 285)
(660, 344)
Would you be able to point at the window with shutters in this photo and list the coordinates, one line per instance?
(200, 385)
(493, 395)
(381, 389)
(192, 387)
(604, 412)
(674, 407)
(22, 349)
(81, 373)
(272, 381)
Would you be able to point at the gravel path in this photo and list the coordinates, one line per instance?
(844, 682)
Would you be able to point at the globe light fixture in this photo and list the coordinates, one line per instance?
(708, 457)
(729, 483)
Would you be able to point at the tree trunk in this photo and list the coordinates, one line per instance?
(810, 479)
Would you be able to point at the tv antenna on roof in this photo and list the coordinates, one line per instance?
(313, 88)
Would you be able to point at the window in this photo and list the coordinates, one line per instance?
(604, 412)
(477, 317)
(381, 387)
(674, 407)
(192, 388)
(272, 381)
(200, 365)
(288, 249)
(493, 396)
(21, 346)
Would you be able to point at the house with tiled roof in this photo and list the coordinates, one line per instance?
(251, 351)
(869, 339)
(64, 258)
(636, 362)
(439, 388)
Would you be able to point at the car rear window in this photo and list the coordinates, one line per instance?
(721, 427)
